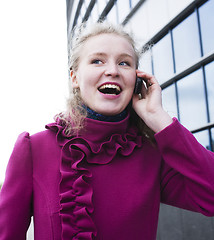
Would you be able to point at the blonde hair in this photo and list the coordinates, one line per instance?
(73, 118)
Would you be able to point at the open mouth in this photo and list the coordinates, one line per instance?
(110, 89)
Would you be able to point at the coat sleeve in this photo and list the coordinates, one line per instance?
(16, 192)
(187, 176)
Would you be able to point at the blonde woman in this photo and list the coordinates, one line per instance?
(102, 168)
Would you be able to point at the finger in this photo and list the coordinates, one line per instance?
(136, 98)
(149, 79)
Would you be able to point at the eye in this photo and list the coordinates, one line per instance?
(96, 61)
(124, 63)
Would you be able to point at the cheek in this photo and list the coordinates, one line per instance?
(132, 78)
(85, 86)
(132, 82)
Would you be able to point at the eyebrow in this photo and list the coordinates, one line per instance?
(104, 54)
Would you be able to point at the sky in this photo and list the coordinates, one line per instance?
(33, 68)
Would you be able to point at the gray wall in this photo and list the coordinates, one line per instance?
(179, 224)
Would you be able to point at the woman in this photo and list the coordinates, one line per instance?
(98, 172)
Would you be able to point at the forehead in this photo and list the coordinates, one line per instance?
(108, 42)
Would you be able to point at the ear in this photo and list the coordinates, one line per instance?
(74, 81)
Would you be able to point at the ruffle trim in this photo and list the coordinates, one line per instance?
(75, 191)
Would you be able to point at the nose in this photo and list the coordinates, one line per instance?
(112, 70)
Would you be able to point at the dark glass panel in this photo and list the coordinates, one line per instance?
(192, 106)
(146, 62)
(162, 59)
(124, 9)
(186, 42)
(203, 138)
(169, 100)
(212, 140)
(206, 13)
(209, 71)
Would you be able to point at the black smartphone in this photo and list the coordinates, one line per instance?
(138, 85)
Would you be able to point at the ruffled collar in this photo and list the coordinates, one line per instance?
(99, 143)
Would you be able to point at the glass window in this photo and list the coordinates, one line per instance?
(134, 2)
(82, 12)
(209, 71)
(101, 5)
(191, 99)
(79, 20)
(89, 22)
(124, 9)
(186, 42)
(145, 62)
(139, 25)
(207, 22)
(203, 138)
(86, 3)
(113, 15)
(71, 17)
(162, 59)
(94, 13)
(169, 100)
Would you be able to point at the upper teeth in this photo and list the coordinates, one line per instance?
(110, 86)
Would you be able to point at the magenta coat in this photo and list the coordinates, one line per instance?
(105, 184)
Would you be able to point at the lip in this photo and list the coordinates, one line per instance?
(113, 83)
(110, 96)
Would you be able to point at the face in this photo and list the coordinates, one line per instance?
(106, 73)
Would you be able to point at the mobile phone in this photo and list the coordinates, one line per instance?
(138, 85)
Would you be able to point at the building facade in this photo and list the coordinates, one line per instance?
(180, 34)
